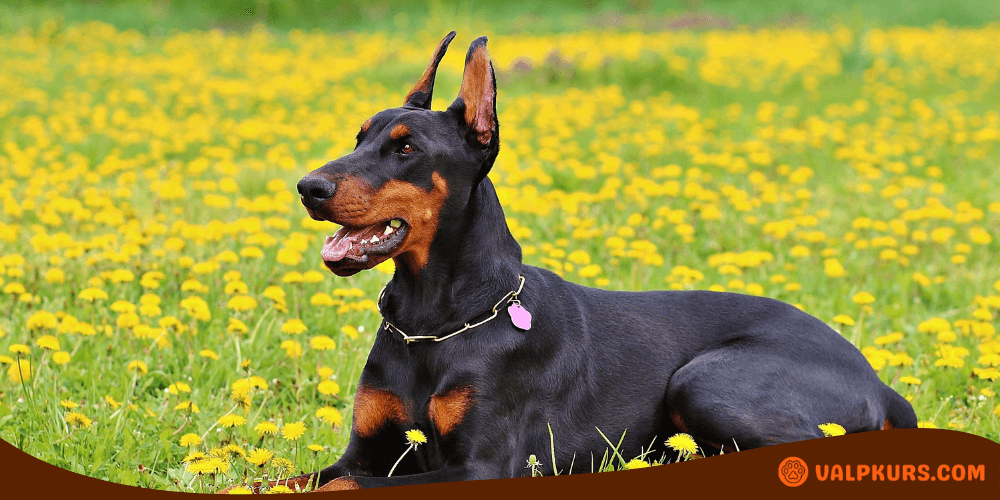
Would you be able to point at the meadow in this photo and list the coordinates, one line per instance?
(170, 323)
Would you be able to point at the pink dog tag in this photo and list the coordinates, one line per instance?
(519, 316)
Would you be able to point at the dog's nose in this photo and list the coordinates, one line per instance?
(315, 190)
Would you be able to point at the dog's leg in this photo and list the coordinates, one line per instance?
(749, 394)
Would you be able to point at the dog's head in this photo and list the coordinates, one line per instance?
(410, 168)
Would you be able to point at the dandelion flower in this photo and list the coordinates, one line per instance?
(68, 404)
(329, 388)
(77, 419)
(316, 448)
(322, 299)
(208, 353)
(268, 428)
(20, 371)
(194, 456)
(42, 319)
(137, 367)
(61, 357)
(292, 348)
(178, 387)
(187, 406)
(415, 437)
(190, 439)
(242, 303)
(240, 490)
(283, 465)
(293, 431)
(682, 443)
(350, 331)
(232, 420)
(831, 429)
(637, 464)
(279, 489)
(322, 343)
(260, 456)
(293, 326)
(863, 298)
(329, 415)
(19, 349)
(48, 342)
(236, 326)
(843, 319)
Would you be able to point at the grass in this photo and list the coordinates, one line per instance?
(160, 17)
(147, 212)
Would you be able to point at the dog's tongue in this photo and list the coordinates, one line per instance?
(337, 246)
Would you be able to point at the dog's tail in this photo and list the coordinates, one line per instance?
(899, 412)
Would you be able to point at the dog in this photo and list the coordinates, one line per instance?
(486, 355)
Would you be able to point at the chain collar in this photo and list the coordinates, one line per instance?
(510, 297)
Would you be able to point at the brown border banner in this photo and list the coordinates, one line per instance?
(919, 462)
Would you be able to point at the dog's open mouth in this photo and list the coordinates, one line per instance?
(363, 247)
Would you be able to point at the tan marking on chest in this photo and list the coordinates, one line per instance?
(447, 410)
(374, 408)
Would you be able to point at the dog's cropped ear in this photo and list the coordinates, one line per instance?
(420, 96)
(479, 93)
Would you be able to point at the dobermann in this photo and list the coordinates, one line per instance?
(484, 354)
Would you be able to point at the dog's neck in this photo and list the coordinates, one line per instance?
(474, 263)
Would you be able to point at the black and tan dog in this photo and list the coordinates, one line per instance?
(483, 353)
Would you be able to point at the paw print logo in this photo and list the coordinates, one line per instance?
(793, 471)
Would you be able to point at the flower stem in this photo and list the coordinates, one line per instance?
(399, 460)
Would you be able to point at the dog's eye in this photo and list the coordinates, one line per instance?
(406, 149)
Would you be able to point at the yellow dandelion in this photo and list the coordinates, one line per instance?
(208, 353)
(292, 348)
(279, 489)
(42, 319)
(316, 448)
(293, 431)
(350, 331)
(242, 303)
(415, 437)
(190, 439)
(19, 349)
(293, 326)
(329, 415)
(236, 326)
(683, 444)
(266, 428)
(48, 342)
(863, 298)
(260, 456)
(68, 404)
(322, 343)
(77, 419)
(20, 371)
(137, 367)
(832, 429)
(329, 388)
(843, 319)
(232, 420)
(240, 490)
(635, 463)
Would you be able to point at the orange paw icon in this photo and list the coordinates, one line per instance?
(793, 471)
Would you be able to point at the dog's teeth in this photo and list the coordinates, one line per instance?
(374, 239)
(387, 230)
(395, 223)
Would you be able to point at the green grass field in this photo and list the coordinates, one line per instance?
(171, 323)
